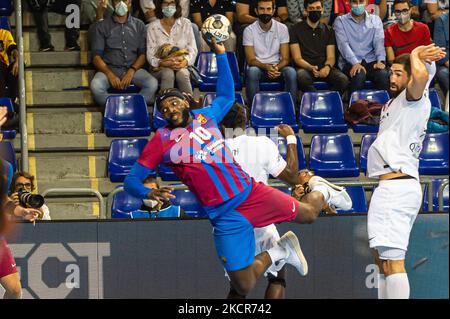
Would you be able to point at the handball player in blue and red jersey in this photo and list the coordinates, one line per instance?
(194, 148)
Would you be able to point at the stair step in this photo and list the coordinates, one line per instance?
(60, 166)
(47, 59)
(64, 123)
(73, 208)
(65, 142)
(58, 98)
(31, 40)
(54, 80)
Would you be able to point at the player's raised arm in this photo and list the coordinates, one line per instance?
(290, 172)
(225, 84)
(420, 56)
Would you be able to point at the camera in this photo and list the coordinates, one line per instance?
(26, 199)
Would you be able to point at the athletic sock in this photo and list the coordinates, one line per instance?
(381, 287)
(277, 253)
(321, 188)
(397, 286)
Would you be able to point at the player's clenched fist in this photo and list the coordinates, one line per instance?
(285, 130)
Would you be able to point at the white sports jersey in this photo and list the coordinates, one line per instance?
(258, 156)
(399, 141)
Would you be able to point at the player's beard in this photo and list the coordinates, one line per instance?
(185, 114)
(396, 92)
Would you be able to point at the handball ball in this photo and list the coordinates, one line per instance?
(216, 26)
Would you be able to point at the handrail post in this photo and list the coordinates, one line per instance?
(441, 195)
(23, 108)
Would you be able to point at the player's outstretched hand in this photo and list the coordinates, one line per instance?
(162, 194)
(429, 53)
(218, 48)
(284, 130)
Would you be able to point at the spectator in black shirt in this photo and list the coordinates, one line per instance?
(202, 9)
(313, 45)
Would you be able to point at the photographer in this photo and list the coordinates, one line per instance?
(23, 181)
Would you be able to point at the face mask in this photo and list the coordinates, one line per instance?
(358, 9)
(403, 18)
(121, 9)
(314, 16)
(169, 11)
(265, 18)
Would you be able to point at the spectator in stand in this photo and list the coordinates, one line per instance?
(40, 9)
(246, 15)
(441, 39)
(436, 8)
(266, 44)
(202, 9)
(297, 12)
(342, 7)
(387, 11)
(360, 40)
(406, 34)
(313, 47)
(171, 28)
(9, 65)
(118, 50)
(25, 181)
(148, 9)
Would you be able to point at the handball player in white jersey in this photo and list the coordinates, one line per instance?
(259, 157)
(393, 158)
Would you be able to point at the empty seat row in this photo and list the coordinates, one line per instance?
(329, 156)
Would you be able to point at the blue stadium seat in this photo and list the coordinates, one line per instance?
(366, 141)
(4, 23)
(8, 134)
(8, 154)
(333, 156)
(322, 112)
(188, 202)
(379, 96)
(122, 156)
(434, 99)
(6, 7)
(166, 173)
(123, 204)
(126, 116)
(132, 89)
(157, 119)
(276, 85)
(270, 109)
(433, 160)
(435, 188)
(286, 190)
(282, 147)
(321, 86)
(368, 85)
(207, 67)
(209, 97)
(358, 197)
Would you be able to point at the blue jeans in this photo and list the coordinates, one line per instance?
(255, 75)
(442, 78)
(100, 85)
(196, 36)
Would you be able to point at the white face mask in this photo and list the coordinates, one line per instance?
(121, 9)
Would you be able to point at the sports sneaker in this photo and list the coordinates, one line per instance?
(339, 197)
(47, 48)
(294, 255)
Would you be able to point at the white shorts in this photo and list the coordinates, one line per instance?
(393, 209)
(265, 238)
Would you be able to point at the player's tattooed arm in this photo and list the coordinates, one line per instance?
(419, 72)
(289, 174)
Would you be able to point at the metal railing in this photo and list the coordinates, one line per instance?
(79, 191)
(441, 195)
(120, 189)
(22, 100)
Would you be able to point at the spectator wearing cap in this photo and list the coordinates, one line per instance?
(118, 50)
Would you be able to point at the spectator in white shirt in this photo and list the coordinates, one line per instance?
(171, 28)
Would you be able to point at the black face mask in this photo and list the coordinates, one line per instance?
(265, 18)
(314, 16)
